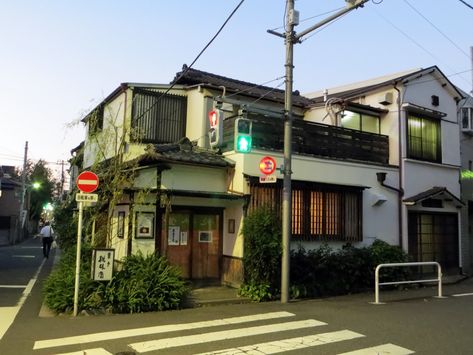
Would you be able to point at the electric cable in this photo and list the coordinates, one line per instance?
(415, 42)
(466, 4)
(184, 72)
(438, 30)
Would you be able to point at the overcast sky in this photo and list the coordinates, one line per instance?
(60, 58)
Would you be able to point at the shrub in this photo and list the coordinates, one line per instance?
(262, 256)
(146, 283)
(59, 287)
(324, 272)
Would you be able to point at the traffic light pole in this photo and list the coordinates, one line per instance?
(290, 38)
(287, 189)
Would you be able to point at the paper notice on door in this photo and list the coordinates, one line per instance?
(173, 235)
(183, 238)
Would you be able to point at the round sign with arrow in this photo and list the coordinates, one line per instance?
(267, 165)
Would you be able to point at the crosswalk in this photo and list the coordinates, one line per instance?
(276, 324)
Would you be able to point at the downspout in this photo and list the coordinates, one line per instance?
(401, 164)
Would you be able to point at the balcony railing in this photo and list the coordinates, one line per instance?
(316, 139)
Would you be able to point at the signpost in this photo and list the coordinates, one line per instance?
(86, 182)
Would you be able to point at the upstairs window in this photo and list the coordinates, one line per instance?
(360, 121)
(423, 138)
(158, 118)
(95, 120)
(467, 118)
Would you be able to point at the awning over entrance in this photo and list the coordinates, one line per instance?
(436, 192)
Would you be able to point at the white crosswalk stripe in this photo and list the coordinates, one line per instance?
(222, 335)
(94, 351)
(384, 349)
(88, 338)
(279, 323)
(280, 346)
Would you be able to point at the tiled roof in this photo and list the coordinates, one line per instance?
(357, 89)
(190, 76)
(183, 152)
(435, 191)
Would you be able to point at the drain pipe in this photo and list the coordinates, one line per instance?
(381, 177)
(401, 162)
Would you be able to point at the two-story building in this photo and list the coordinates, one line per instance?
(373, 161)
(417, 110)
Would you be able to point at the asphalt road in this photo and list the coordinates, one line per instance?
(410, 321)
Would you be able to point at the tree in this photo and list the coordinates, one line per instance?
(42, 194)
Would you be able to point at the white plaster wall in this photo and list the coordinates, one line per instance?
(421, 176)
(120, 244)
(186, 177)
(106, 143)
(379, 221)
(233, 242)
(145, 246)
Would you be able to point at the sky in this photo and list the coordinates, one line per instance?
(60, 58)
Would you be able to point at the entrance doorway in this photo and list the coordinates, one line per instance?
(434, 237)
(193, 243)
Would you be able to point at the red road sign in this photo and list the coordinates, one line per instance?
(87, 181)
(267, 165)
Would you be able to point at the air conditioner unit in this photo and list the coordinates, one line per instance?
(386, 98)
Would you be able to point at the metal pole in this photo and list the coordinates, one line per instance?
(23, 193)
(79, 237)
(287, 189)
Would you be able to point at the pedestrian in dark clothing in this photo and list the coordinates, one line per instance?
(46, 234)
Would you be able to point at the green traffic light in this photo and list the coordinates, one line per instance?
(243, 144)
(36, 185)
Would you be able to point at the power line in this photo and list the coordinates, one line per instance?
(307, 18)
(415, 42)
(438, 30)
(184, 72)
(466, 4)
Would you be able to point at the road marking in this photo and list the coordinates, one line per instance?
(390, 349)
(88, 338)
(160, 344)
(24, 256)
(8, 314)
(280, 346)
(94, 351)
(462, 294)
(13, 286)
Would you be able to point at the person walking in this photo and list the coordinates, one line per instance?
(46, 234)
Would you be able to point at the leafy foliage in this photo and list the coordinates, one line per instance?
(324, 272)
(65, 223)
(41, 174)
(145, 283)
(261, 261)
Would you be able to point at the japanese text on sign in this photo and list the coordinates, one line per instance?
(102, 264)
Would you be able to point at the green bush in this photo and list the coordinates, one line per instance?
(146, 283)
(262, 254)
(324, 272)
(59, 287)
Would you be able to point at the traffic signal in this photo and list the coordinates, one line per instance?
(243, 139)
(216, 128)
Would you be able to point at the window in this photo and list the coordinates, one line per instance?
(95, 119)
(158, 118)
(319, 211)
(467, 117)
(423, 138)
(360, 121)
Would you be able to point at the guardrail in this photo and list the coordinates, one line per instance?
(377, 283)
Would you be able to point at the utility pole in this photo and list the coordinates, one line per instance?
(290, 37)
(23, 193)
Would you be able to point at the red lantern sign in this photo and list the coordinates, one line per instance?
(87, 181)
(267, 165)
